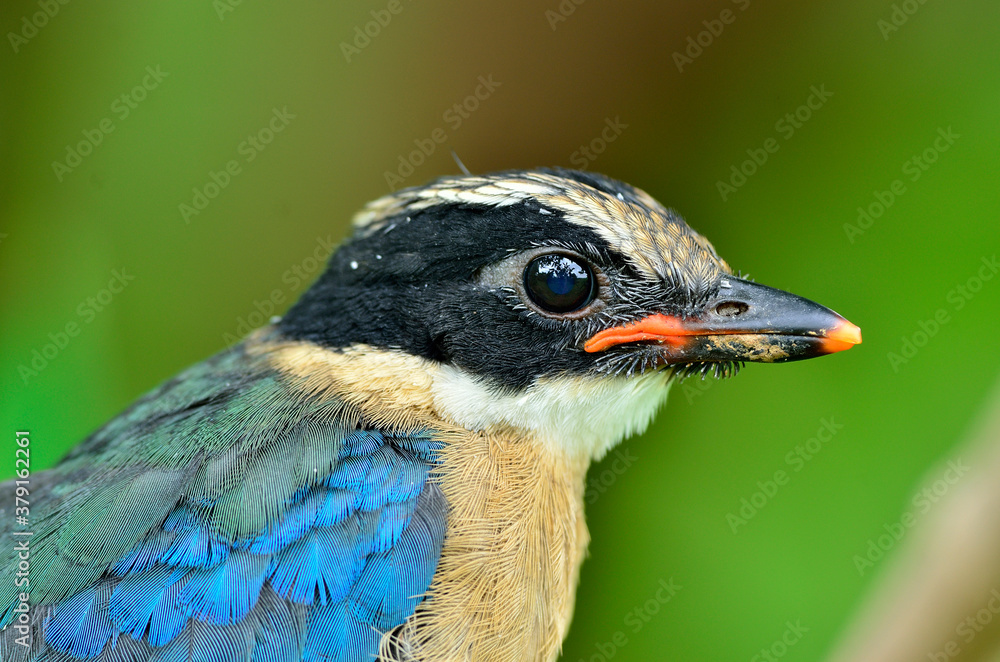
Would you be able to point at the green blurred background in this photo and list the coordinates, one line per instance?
(560, 72)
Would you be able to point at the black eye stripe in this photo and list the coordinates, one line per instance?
(559, 283)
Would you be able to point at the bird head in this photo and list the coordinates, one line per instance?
(551, 298)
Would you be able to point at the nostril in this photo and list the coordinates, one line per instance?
(731, 308)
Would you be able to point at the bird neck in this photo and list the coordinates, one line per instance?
(506, 581)
(513, 470)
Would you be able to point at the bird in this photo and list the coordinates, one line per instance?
(394, 469)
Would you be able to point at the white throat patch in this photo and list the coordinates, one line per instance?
(577, 415)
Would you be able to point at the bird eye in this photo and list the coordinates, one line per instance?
(559, 283)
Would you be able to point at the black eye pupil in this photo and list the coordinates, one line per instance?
(558, 283)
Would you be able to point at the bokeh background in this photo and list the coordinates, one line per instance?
(690, 87)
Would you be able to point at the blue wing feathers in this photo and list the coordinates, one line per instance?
(394, 581)
(145, 555)
(203, 642)
(385, 525)
(380, 600)
(195, 548)
(361, 443)
(224, 594)
(335, 634)
(298, 519)
(81, 626)
(137, 596)
(168, 617)
(280, 635)
(224, 518)
(336, 505)
(321, 566)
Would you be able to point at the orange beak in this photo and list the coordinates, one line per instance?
(745, 322)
